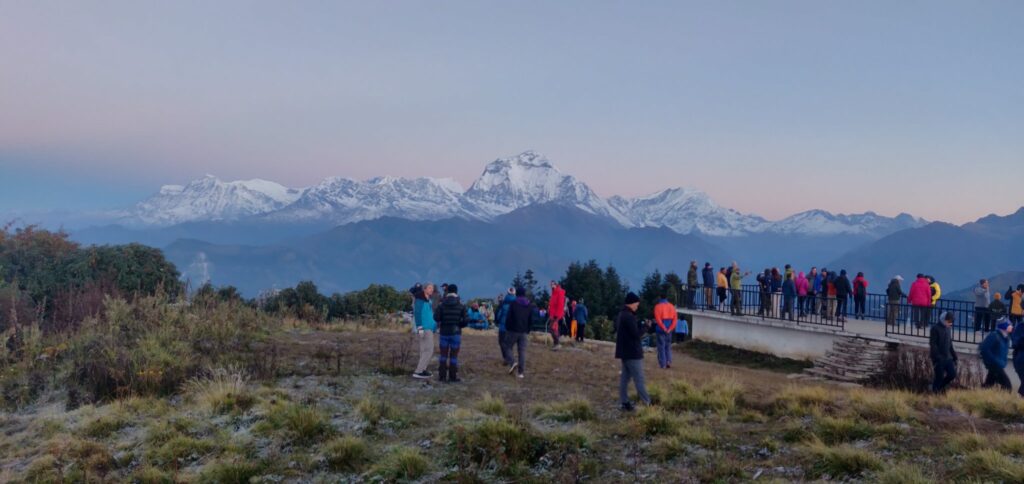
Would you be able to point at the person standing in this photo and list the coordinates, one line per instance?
(920, 299)
(994, 350)
(451, 317)
(802, 288)
(708, 278)
(691, 285)
(556, 311)
(813, 290)
(502, 320)
(860, 295)
(764, 284)
(425, 327)
(776, 288)
(943, 355)
(982, 298)
(843, 291)
(736, 285)
(581, 315)
(517, 326)
(629, 332)
(722, 287)
(1016, 303)
(665, 320)
(894, 296)
(1017, 343)
(996, 309)
(789, 295)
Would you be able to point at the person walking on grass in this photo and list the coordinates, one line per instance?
(994, 350)
(860, 295)
(581, 314)
(708, 278)
(629, 333)
(665, 320)
(894, 295)
(982, 298)
(517, 326)
(789, 295)
(943, 356)
(451, 317)
(501, 319)
(556, 312)
(424, 328)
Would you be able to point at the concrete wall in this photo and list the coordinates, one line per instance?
(779, 338)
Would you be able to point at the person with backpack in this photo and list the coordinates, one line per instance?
(920, 300)
(628, 349)
(520, 317)
(788, 297)
(843, 290)
(982, 299)
(943, 355)
(501, 319)
(665, 320)
(581, 315)
(894, 296)
(860, 295)
(996, 308)
(994, 350)
(451, 317)
(708, 278)
(424, 328)
(691, 285)
(764, 285)
(556, 312)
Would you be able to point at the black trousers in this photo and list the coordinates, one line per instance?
(841, 307)
(858, 306)
(945, 373)
(982, 320)
(997, 376)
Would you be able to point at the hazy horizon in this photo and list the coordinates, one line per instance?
(771, 109)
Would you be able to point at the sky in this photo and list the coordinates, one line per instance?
(770, 107)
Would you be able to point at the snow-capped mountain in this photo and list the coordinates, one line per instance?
(212, 199)
(506, 184)
(821, 222)
(528, 179)
(343, 200)
(686, 210)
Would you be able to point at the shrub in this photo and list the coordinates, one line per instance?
(402, 463)
(656, 421)
(151, 475)
(841, 461)
(102, 427)
(966, 442)
(348, 454)
(501, 441)
(43, 469)
(991, 466)
(833, 430)
(576, 409)
(803, 400)
(230, 472)
(903, 474)
(177, 448)
(301, 423)
(374, 411)
(719, 395)
(988, 403)
(883, 406)
(1012, 444)
(221, 390)
(491, 405)
(91, 456)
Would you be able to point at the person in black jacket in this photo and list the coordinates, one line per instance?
(940, 346)
(843, 292)
(629, 333)
(894, 296)
(517, 326)
(708, 278)
(451, 317)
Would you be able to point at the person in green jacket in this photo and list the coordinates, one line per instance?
(736, 284)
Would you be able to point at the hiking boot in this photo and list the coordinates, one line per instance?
(442, 372)
(453, 374)
(513, 368)
(422, 375)
(627, 407)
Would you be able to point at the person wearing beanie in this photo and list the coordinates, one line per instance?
(708, 278)
(451, 317)
(517, 326)
(665, 320)
(424, 328)
(629, 333)
(994, 350)
(943, 356)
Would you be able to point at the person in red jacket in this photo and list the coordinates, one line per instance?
(665, 320)
(556, 311)
(860, 295)
(920, 299)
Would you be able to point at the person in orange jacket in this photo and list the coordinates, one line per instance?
(665, 320)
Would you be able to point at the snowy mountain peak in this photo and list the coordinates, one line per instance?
(209, 198)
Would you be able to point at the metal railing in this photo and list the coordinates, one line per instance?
(901, 319)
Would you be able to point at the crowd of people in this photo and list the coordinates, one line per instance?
(782, 294)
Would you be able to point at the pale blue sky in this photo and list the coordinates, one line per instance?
(772, 107)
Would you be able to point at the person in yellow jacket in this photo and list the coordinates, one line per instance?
(722, 287)
(665, 320)
(936, 290)
(1016, 310)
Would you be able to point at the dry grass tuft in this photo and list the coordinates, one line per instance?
(221, 390)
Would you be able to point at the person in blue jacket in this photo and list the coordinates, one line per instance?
(994, 350)
(477, 320)
(581, 315)
(788, 297)
(424, 327)
(500, 319)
